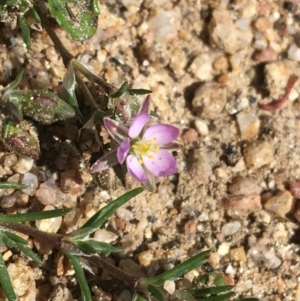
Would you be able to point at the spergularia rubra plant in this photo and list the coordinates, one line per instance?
(146, 149)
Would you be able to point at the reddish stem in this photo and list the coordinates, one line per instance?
(278, 104)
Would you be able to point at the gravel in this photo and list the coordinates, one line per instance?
(209, 64)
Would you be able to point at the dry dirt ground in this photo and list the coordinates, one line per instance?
(209, 64)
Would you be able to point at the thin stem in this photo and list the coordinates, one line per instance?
(65, 54)
(55, 240)
(130, 280)
(107, 88)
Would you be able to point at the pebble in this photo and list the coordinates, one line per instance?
(280, 204)
(202, 67)
(210, 100)
(51, 225)
(9, 160)
(294, 53)
(178, 61)
(23, 280)
(240, 206)
(238, 254)
(145, 258)
(258, 154)
(104, 236)
(201, 127)
(297, 293)
(220, 64)
(266, 55)
(124, 213)
(31, 181)
(169, 286)
(243, 186)
(23, 165)
(249, 123)
(49, 194)
(224, 248)
(125, 296)
(71, 182)
(190, 136)
(8, 201)
(295, 189)
(225, 35)
(262, 24)
(231, 228)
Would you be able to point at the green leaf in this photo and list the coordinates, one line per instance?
(15, 83)
(32, 12)
(85, 291)
(197, 293)
(6, 282)
(95, 7)
(139, 91)
(25, 30)
(99, 218)
(122, 90)
(96, 247)
(11, 243)
(223, 297)
(10, 185)
(32, 216)
(180, 270)
(14, 237)
(77, 17)
(156, 292)
(247, 299)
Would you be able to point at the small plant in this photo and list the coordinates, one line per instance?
(138, 144)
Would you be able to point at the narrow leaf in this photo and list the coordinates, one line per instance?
(156, 292)
(32, 216)
(197, 293)
(98, 219)
(14, 237)
(6, 282)
(10, 185)
(122, 90)
(25, 30)
(15, 83)
(139, 91)
(92, 246)
(223, 297)
(180, 269)
(85, 291)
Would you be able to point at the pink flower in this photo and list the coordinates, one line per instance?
(145, 149)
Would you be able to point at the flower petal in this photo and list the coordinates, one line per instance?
(135, 169)
(162, 133)
(172, 145)
(160, 163)
(123, 150)
(138, 124)
(117, 130)
(145, 107)
(107, 160)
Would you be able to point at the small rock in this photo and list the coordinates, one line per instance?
(9, 160)
(50, 224)
(280, 204)
(125, 296)
(258, 154)
(31, 181)
(23, 280)
(262, 24)
(266, 55)
(131, 267)
(294, 53)
(249, 123)
(202, 67)
(105, 236)
(210, 100)
(23, 165)
(295, 189)
(8, 201)
(224, 249)
(243, 186)
(49, 194)
(190, 136)
(220, 64)
(169, 286)
(225, 35)
(242, 205)
(237, 254)
(124, 213)
(178, 61)
(231, 228)
(145, 258)
(201, 127)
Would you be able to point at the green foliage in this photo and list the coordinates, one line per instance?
(77, 17)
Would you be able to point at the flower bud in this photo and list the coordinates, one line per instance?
(21, 138)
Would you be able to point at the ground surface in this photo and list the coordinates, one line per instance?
(209, 64)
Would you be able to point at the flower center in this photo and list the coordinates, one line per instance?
(144, 148)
